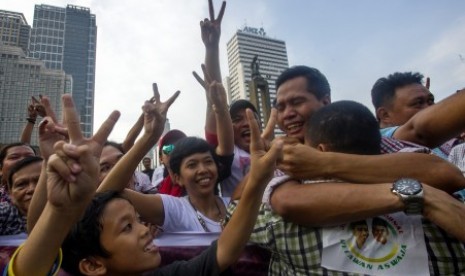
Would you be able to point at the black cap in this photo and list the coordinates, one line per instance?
(240, 104)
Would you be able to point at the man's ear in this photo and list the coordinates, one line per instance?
(383, 116)
(326, 99)
(92, 266)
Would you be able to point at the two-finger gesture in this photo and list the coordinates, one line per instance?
(72, 172)
(263, 162)
(155, 112)
(211, 28)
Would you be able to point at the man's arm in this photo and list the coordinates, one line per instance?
(71, 182)
(436, 124)
(31, 120)
(326, 204)
(303, 162)
(210, 33)
(237, 232)
(154, 122)
(224, 125)
(133, 133)
(445, 211)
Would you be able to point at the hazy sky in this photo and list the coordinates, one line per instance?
(352, 42)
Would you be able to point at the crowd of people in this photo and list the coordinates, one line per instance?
(343, 192)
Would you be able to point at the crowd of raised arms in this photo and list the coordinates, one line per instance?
(343, 192)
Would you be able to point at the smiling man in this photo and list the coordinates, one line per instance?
(22, 181)
(302, 90)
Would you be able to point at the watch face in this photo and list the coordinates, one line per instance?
(407, 186)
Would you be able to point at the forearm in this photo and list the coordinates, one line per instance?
(212, 65)
(122, 172)
(225, 132)
(41, 248)
(237, 232)
(436, 124)
(426, 168)
(212, 62)
(445, 211)
(133, 133)
(27, 133)
(39, 199)
(326, 204)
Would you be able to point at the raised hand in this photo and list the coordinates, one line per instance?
(155, 112)
(76, 162)
(38, 106)
(202, 81)
(263, 163)
(211, 28)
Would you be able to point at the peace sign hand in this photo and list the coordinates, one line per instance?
(211, 28)
(72, 171)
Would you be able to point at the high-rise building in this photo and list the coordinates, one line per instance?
(20, 78)
(14, 30)
(242, 48)
(65, 38)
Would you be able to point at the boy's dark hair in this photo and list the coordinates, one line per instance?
(317, 83)
(83, 241)
(347, 127)
(18, 166)
(5, 149)
(186, 147)
(384, 89)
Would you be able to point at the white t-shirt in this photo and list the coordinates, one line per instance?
(157, 176)
(239, 168)
(180, 216)
(143, 184)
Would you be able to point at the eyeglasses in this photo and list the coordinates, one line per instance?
(167, 149)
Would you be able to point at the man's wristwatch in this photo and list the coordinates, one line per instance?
(411, 193)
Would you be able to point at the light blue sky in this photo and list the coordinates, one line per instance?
(352, 42)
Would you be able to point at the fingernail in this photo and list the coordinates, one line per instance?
(71, 178)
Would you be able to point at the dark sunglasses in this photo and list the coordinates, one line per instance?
(167, 149)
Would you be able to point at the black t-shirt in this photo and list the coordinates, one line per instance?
(204, 264)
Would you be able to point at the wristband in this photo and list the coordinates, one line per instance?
(30, 120)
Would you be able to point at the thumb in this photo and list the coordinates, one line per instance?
(274, 154)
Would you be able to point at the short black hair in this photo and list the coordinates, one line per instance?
(83, 241)
(186, 147)
(5, 149)
(347, 127)
(317, 83)
(19, 165)
(384, 89)
(239, 105)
